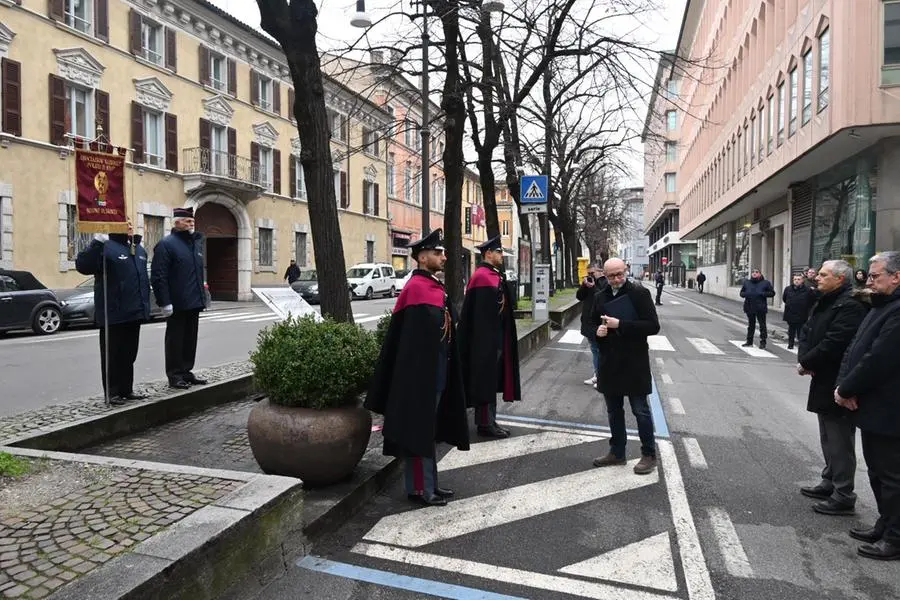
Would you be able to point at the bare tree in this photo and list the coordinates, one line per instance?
(294, 26)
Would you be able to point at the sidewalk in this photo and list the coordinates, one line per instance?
(727, 307)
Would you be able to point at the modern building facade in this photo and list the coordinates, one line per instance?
(788, 121)
(204, 103)
(634, 244)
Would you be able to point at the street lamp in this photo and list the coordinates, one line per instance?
(361, 19)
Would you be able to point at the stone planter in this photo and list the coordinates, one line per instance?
(320, 447)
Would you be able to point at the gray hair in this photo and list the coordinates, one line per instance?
(839, 268)
(891, 260)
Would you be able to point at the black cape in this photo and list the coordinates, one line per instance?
(489, 346)
(405, 383)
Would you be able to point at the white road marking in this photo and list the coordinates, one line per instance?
(660, 343)
(572, 336)
(675, 406)
(694, 453)
(675, 302)
(416, 528)
(567, 349)
(660, 361)
(239, 318)
(667, 379)
(49, 338)
(597, 434)
(365, 319)
(753, 350)
(224, 315)
(647, 563)
(785, 347)
(553, 583)
(261, 319)
(511, 448)
(736, 561)
(704, 346)
(696, 574)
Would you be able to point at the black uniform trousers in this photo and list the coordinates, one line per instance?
(882, 453)
(123, 349)
(659, 290)
(752, 320)
(181, 344)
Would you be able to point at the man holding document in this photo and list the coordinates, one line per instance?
(623, 317)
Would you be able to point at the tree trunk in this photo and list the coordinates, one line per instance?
(489, 191)
(453, 105)
(295, 26)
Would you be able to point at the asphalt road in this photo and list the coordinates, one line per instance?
(722, 518)
(42, 370)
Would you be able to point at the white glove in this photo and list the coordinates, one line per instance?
(167, 310)
(101, 237)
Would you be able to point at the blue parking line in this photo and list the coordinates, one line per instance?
(659, 417)
(403, 582)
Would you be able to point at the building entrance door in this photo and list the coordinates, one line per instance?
(219, 227)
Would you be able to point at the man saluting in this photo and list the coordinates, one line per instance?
(417, 384)
(489, 346)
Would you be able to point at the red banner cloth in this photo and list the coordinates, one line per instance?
(100, 184)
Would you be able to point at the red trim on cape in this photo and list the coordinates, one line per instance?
(421, 289)
(484, 277)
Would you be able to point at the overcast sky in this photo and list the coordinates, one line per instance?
(336, 32)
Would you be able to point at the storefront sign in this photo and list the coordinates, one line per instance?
(100, 185)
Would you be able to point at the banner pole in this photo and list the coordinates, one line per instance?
(105, 329)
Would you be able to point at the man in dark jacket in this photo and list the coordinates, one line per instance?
(756, 291)
(798, 299)
(120, 262)
(177, 278)
(489, 346)
(623, 317)
(293, 272)
(701, 281)
(824, 339)
(592, 283)
(867, 385)
(417, 384)
(660, 283)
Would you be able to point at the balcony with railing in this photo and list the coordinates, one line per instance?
(213, 169)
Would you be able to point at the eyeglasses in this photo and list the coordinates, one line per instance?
(615, 275)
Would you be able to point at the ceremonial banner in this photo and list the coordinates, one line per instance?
(100, 185)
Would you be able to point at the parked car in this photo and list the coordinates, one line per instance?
(368, 279)
(26, 302)
(307, 285)
(401, 277)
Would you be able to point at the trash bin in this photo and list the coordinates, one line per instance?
(690, 284)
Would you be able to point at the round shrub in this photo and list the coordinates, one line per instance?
(381, 329)
(299, 362)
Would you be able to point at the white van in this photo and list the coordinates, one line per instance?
(368, 279)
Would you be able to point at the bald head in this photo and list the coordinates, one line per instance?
(614, 269)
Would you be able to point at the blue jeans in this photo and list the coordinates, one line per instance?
(641, 409)
(595, 351)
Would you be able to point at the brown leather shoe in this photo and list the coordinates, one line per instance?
(646, 465)
(610, 460)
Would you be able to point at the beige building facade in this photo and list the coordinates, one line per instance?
(204, 103)
(785, 123)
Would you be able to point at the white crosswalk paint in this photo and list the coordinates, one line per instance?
(512, 447)
(736, 562)
(660, 343)
(667, 379)
(647, 563)
(753, 350)
(704, 346)
(675, 406)
(572, 336)
(262, 319)
(239, 317)
(694, 453)
(675, 302)
(660, 361)
(417, 528)
(365, 319)
(215, 316)
(785, 347)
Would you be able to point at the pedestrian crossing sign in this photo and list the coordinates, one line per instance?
(533, 189)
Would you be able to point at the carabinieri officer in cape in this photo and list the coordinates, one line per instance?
(489, 346)
(417, 384)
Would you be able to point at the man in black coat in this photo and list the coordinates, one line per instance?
(417, 384)
(489, 346)
(798, 299)
(623, 317)
(594, 282)
(701, 281)
(293, 272)
(823, 340)
(660, 283)
(177, 278)
(756, 292)
(120, 262)
(867, 385)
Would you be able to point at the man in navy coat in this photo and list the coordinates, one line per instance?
(177, 277)
(119, 260)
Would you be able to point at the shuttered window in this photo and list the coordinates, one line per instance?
(11, 95)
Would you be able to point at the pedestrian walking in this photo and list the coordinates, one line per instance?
(593, 282)
(867, 385)
(824, 338)
(798, 300)
(623, 317)
(489, 346)
(177, 277)
(293, 272)
(701, 280)
(860, 278)
(118, 262)
(756, 291)
(417, 384)
(660, 283)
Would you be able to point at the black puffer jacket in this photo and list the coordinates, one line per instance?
(128, 294)
(797, 302)
(177, 271)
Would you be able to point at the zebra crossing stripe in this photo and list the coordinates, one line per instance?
(660, 343)
(704, 346)
(753, 350)
(572, 336)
